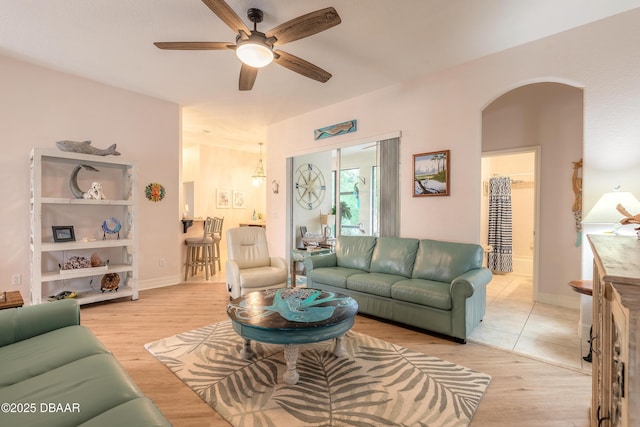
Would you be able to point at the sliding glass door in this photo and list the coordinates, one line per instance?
(350, 190)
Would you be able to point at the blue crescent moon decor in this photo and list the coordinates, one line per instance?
(111, 226)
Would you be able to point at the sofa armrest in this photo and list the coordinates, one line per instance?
(469, 301)
(279, 262)
(466, 284)
(318, 261)
(232, 272)
(21, 323)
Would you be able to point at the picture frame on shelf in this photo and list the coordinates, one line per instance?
(223, 199)
(238, 199)
(63, 233)
(431, 174)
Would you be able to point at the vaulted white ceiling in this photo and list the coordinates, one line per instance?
(379, 43)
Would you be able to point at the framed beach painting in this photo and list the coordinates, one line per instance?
(223, 199)
(431, 174)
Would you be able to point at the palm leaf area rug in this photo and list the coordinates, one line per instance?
(376, 384)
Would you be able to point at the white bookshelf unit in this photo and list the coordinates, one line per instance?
(53, 204)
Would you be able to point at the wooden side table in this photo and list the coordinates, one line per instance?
(11, 299)
(585, 287)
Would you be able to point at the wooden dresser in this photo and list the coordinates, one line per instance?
(616, 331)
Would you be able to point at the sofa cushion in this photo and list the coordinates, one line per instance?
(32, 320)
(355, 251)
(444, 261)
(423, 292)
(45, 352)
(259, 276)
(373, 283)
(248, 247)
(394, 255)
(94, 384)
(137, 412)
(333, 276)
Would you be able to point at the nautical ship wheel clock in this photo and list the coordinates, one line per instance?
(310, 186)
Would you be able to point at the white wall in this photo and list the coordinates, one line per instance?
(39, 107)
(444, 111)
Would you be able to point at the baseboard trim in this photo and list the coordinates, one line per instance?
(159, 282)
(570, 301)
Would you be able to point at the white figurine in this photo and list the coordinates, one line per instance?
(95, 192)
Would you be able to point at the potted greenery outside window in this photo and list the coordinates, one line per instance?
(345, 211)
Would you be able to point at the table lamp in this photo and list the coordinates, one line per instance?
(605, 210)
(327, 221)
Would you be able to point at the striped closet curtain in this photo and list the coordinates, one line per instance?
(500, 225)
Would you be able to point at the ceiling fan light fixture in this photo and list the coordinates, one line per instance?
(254, 52)
(255, 49)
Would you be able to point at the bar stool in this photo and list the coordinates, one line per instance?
(217, 237)
(200, 252)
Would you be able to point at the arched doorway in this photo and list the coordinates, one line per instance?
(544, 120)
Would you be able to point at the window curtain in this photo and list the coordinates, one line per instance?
(389, 187)
(500, 225)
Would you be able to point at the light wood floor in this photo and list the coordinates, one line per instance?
(523, 391)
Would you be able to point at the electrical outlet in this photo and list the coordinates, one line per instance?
(16, 279)
(161, 262)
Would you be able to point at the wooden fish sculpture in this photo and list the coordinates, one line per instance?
(85, 147)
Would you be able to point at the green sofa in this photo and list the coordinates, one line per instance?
(434, 285)
(55, 372)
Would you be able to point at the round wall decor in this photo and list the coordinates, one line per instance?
(154, 192)
(310, 186)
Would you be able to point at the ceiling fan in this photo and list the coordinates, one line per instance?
(256, 49)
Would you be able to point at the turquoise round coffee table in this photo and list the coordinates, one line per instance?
(292, 316)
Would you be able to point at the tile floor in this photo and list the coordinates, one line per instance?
(541, 331)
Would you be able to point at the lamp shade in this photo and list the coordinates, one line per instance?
(327, 219)
(254, 54)
(605, 212)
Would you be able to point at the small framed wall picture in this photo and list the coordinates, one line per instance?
(223, 199)
(238, 199)
(63, 233)
(431, 174)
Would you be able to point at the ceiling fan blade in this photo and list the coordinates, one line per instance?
(227, 15)
(305, 25)
(301, 66)
(247, 77)
(194, 45)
